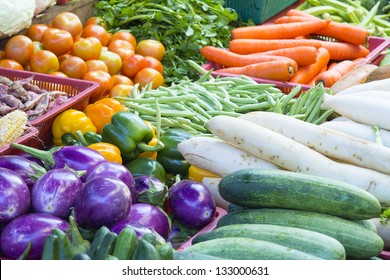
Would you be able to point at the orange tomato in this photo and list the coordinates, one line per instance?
(124, 35)
(19, 48)
(96, 20)
(68, 21)
(132, 65)
(105, 84)
(87, 48)
(11, 64)
(58, 74)
(121, 47)
(121, 79)
(35, 31)
(44, 61)
(74, 67)
(57, 41)
(97, 31)
(2, 54)
(154, 63)
(122, 90)
(112, 60)
(151, 47)
(149, 75)
(96, 64)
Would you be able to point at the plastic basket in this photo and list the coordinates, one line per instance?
(28, 138)
(78, 91)
(385, 255)
(258, 10)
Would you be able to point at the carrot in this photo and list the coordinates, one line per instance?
(344, 51)
(278, 31)
(330, 77)
(227, 58)
(306, 73)
(341, 31)
(279, 70)
(303, 55)
(313, 81)
(290, 19)
(247, 46)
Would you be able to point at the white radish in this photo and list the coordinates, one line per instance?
(293, 156)
(366, 110)
(375, 85)
(212, 184)
(218, 156)
(329, 142)
(371, 93)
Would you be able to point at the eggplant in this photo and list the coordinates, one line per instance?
(14, 195)
(33, 227)
(116, 170)
(191, 204)
(75, 157)
(55, 192)
(151, 190)
(102, 201)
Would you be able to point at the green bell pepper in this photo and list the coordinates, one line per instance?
(130, 134)
(146, 166)
(169, 156)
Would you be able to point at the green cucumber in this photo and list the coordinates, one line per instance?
(311, 242)
(82, 256)
(145, 251)
(241, 248)
(182, 256)
(260, 188)
(97, 241)
(51, 248)
(166, 251)
(359, 242)
(126, 243)
(106, 246)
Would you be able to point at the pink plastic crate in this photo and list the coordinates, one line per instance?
(385, 255)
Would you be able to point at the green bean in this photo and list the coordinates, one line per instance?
(271, 100)
(254, 107)
(193, 125)
(158, 120)
(199, 109)
(217, 83)
(231, 114)
(290, 96)
(323, 117)
(164, 120)
(278, 107)
(227, 104)
(240, 92)
(170, 113)
(199, 68)
(242, 100)
(316, 108)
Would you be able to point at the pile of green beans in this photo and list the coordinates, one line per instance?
(190, 104)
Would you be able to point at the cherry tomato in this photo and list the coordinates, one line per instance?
(58, 74)
(19, 48)
(88, 48)
(154, 63)
(96, 20)
(132, 65)
(98, 31)
(57, 41)
(68, 21)
(44, 61)
(35, 31)
(105, 84)
(121, 47)
(151, 47)
(96, 64)
(124, 35)
(149, 75)
(74, 67)
(121, 79)
(121, 90)
(11, 64)
(112, 60)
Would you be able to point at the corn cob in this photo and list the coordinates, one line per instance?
(12, 126)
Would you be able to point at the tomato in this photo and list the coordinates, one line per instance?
(96, 20)
(149, 75)
(11, 64)
(74, 67)
(97, 31)
(154, 63)
(112, 60)
(44, 61)
(88, 48)
(151, 48)
(38, 46)
(121, 47)
(68, 21)
(132, 65)
(19, 48)
(105, 84)
(35, 31)
(96, 64)
(121, 90)
(2, 54)
(58, 74)
(121, 79)
(124, 35)
(57, 41)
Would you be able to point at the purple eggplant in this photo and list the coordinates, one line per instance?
(102, 201)
(33, 159)
(151, 190)
(75, 157)
(55, 192)
(14, 195)
(115, 170)
(191, 204)
(33, 227)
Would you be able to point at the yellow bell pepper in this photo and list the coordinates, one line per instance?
(102, 110)
(197, 174)
(66, 124)
(153, 142)
(109, 151)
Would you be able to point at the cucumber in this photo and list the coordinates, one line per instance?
(260, 188)
(97, 241)
(106, 247)
(51, 248)
(182, 256)
(311, 242)
(359, 242)
(166, 251)
(82, 256)
(241, 248)
(146, 251)
(126, 243)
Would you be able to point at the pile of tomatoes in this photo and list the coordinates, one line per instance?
(69, 48)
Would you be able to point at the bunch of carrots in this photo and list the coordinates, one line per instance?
(287, 51)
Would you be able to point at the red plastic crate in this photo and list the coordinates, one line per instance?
(28, 138)
(78, 91)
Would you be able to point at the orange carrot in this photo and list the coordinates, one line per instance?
(278, 31)
(313, 81)
(341, 31)
(306, 73)
(344, 51)
(227, 58)
(303, 55)
(330, 77)
(290, 19)
(279, 70)
(247, 46)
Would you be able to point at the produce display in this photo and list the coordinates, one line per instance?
(202, 138)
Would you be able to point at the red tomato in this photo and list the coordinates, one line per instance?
(44, 61)
(121, 90)
(68, 21)
(151, 48)
(57, 41)
(105, 84)
(19, 48)
(124, 35)
(74, 67)
(88, 48)
(112, 60)
(96, 64)
(121, 79)
(11, 64)
(149, 75)
(154, 63)
(98, 31)
(35, 31)
(121, 47)
(132, 65)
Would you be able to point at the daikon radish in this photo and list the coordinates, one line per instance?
(362, 109)
(218, 156)
(329, 142)
(369, 93)
(375, 85)
(293, 156)
(212, 184)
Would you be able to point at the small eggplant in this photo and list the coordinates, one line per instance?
(151, 190)
(14, 195)
(55, 192)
